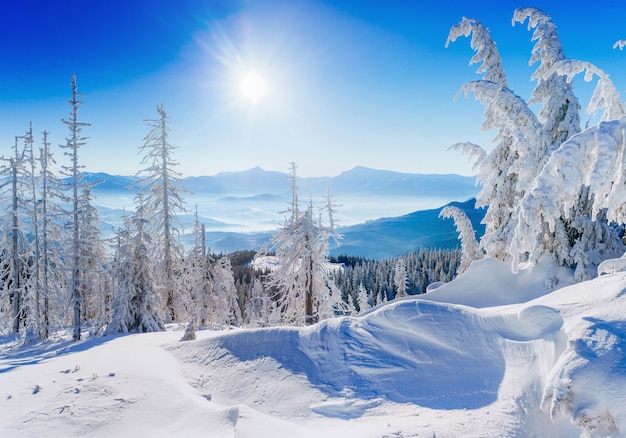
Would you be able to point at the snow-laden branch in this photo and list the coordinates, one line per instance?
(619, 44)
(511, 116)
(469, 244)
(548, 48)
(593, 158)
(605, 94)
(473, 152)
(487, 53)
(560, 111)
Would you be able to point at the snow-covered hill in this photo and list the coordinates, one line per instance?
(489, 354)
(392, 236)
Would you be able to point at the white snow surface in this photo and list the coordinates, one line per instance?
(533, 363)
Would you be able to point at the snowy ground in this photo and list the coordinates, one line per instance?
(489, 354)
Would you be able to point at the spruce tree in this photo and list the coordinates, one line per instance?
(76, 185)
(161, 191)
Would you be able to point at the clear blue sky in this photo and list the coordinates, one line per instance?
(348, 82)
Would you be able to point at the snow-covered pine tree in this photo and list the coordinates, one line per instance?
(583, 235)
(53, 272)
(122, 273)
(470, 250)
(15, 246)
(594, 161)
(259, 309)
(363, 299)
(93, 255)
(161, 190)
(400, 278)
(303, 278)
(135, 304)
(224, 284)
(512, 165)
(31, 208)
(74, 141)
(496, 171)
(198, 279)
(524, 142)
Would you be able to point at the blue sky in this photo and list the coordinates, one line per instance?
(348, 82)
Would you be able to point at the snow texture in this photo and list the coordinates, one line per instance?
(459, 361)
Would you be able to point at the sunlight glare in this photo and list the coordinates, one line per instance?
(253, 87)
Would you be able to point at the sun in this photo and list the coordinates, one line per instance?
(253, 87)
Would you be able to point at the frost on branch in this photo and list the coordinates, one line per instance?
(605, 94)
(619, 44)
(469, 244)
(518, 129)
(508, 171)
(487, 53)
(472, 150)
(560, 111)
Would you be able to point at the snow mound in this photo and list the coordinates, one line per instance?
(490, 282)
(551, 366)
(398, 352)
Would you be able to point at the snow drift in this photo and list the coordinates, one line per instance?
(539, 364)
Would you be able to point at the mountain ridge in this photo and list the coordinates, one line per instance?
(256, 180)
(383, 213)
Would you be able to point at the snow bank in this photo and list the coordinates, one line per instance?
(490, 282)
(435, 356)
(101, 388)
(551, 366)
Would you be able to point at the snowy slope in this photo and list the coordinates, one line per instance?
(447, 364)
(392, 236)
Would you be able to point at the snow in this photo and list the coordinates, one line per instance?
(489, 354)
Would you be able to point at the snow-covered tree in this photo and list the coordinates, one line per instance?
(592, 161)
(400, 279)
(259, 310)
(224, 284)
(199, 282)
(524, 142)
(499, 170)
(31, 207)
(74, 141)
(93, 255)
(53, 272)
(508, 171)
(303, 278)
(16, 249)
(161, 191)
(363, 299)
(470, 250)
(135, 305)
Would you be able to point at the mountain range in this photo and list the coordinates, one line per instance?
(359, 180)
(381, 213)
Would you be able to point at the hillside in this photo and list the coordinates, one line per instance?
(446, 364)
(382, 213)
(388, 237)
(374, 239)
